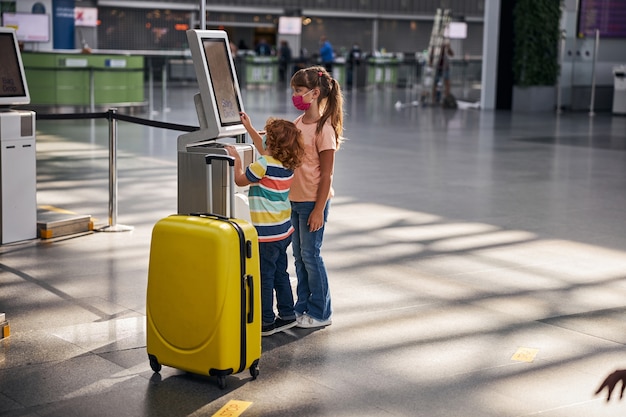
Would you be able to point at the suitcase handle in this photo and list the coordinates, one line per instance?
(250, 282)
(231, 162)
(208, 214)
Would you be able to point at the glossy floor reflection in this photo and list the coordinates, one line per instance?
(477, 263)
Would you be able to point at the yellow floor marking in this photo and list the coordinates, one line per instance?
(55, 209)
(525, 354)
(233, 408)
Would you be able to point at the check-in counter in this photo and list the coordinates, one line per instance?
(261, 70)
(382, 71)
(72, 79)
(619, 92)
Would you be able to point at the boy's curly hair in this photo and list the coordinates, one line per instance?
(285, 141)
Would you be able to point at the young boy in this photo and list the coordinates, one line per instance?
(270, 178)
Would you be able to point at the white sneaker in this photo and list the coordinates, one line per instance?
(307, 322)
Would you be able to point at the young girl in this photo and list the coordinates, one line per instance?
(319, 96)
(270, 177)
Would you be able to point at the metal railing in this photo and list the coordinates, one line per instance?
(112, 116)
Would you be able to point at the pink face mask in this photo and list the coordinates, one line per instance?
(298, 102)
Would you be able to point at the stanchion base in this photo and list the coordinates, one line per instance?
(116, 228)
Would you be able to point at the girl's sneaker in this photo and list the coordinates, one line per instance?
(307, 322)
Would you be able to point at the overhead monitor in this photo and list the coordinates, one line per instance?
(13, 86)
(456, 30)
(30, 27)
(289, 25)
(86, 16)
(219, 103)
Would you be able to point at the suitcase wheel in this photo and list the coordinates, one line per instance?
(221, 381)
(254, 370)
(154, 363)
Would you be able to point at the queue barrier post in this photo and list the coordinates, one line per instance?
(113, 226)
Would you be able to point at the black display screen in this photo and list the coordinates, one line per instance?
(222, 80)
(606, 16)
(11, 82)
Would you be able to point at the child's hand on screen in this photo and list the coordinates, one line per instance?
(245, 120)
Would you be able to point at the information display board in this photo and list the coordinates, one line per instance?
(30, 27)
(607, 16)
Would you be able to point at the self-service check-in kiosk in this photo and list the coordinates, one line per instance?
(218, 106)
(18, 178)
(619, 91)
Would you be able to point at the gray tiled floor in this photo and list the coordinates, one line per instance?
(455, 239)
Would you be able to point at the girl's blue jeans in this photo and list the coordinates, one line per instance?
(312, 291)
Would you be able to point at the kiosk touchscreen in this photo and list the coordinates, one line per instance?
(218, 105)
(18, 182)
(14, 89)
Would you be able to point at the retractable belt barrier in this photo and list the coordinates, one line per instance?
(112, 116)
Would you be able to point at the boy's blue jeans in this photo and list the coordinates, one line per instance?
(312, 291)
(274, 276)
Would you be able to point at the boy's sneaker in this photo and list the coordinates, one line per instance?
(281, 324)
(268, 329)
(307, 322)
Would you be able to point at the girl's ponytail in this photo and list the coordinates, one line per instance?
(337, 118)
(333, 109)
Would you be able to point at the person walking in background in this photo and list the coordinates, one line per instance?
(242, 46)
(319, 96)
(326, 54)
(284, 60)
(263, 48)
(354, 60)
(270, 177)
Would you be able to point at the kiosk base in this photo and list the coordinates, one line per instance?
(5, 330)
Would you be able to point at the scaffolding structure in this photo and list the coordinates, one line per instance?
(435, 49)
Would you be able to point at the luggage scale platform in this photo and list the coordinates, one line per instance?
(55, 223)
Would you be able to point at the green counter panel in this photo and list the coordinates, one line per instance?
(261, 70)
(42, 85)
(65, 79)
(72, 87)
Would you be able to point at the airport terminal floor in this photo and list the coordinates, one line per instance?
(477, 265)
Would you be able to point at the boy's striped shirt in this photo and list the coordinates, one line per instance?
(270, 209)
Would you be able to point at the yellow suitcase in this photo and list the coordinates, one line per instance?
(203, 306)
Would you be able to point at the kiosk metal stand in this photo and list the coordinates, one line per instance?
(193, 185)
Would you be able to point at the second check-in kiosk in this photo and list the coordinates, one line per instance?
(18, 159)
(218, 106)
